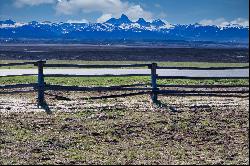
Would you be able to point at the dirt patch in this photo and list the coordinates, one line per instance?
(131, 130)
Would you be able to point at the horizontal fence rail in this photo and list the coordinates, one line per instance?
(197, 92)
(203, 86)
(106, 75)
(203, 95)
(96, 66)
(116, 96)
(18, 64)
(76, 88)
(135, 89)
(203, 68)
(19, 75)
(199, 78)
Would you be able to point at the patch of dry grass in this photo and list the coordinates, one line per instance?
(185, 130)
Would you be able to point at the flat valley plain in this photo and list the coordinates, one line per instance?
(122, 53)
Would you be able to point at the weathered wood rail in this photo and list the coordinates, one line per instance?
(41, 87)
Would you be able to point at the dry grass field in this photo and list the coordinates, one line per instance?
(131, 130)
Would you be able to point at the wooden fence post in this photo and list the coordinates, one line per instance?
(41, 83)
(154, 83)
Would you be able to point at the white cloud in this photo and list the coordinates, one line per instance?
(222, 22)
(21, 3)
(87, 6)
(218, 22)
(241, 21)
(108, 8)
(158, 5)
(162, 15)
(104, 18)
(78, 21)
(135, 12)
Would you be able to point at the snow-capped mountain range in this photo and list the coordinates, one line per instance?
(122, 29)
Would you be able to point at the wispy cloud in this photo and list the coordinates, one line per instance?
(104, 18)
(162, 15)
(157, 5)
(21, 3)
(222, 22)
(78, 21)
(241, 21)
(107, 8)
(113, 8)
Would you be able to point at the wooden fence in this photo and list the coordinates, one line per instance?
(41, 87)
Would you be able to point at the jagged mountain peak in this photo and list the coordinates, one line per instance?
(33, 22)
(122, 20)
(47, 22)
(143, 22)
(197, 24)
(158, 23)
(9, 22)
(124, 17)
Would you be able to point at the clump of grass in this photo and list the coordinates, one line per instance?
(18, 80)
(112, 81)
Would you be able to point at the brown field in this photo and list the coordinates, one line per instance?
(183, 130)
(114, 53)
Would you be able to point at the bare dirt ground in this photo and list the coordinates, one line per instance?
(131, 130)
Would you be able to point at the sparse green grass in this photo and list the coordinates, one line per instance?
(177, 64)
(112, 81)
(17, 80)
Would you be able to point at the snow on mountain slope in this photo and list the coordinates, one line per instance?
(123, 28)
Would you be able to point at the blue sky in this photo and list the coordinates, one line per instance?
(173, 11)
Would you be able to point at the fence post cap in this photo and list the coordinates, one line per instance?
(150, 66)
(39, 62)
(42, 61)
(154, 63)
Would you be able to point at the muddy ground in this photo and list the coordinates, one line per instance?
(131, 130)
